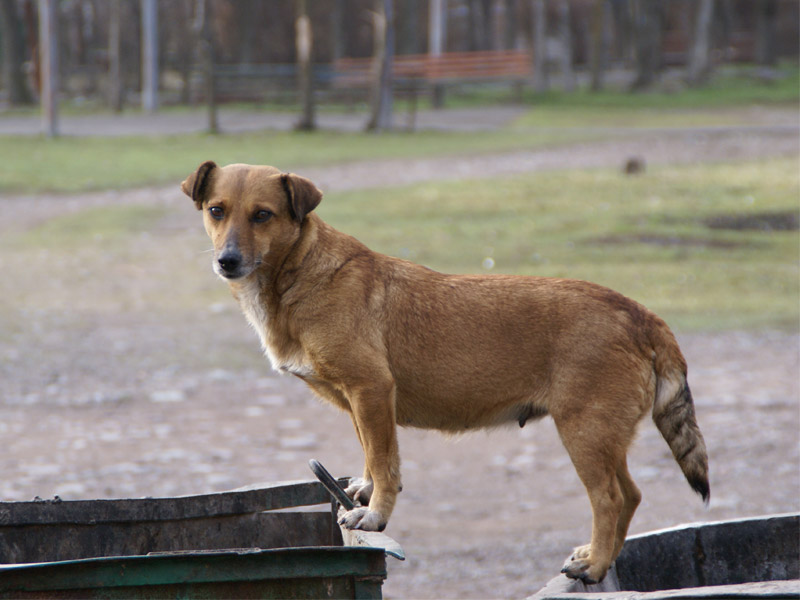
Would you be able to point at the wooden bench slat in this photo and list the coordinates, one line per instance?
(450, 66)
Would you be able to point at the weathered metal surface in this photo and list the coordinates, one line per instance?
(179, 547)
(370, 539)
(276, 570)
(745, 558)
(57, 542)
(282, 495)
(723, 553)
(783, 590)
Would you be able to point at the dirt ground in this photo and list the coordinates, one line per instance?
(102, 401)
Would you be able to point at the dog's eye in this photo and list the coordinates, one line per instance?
(262, 216)
(216, 212)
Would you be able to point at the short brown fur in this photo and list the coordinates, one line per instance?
(391, 342)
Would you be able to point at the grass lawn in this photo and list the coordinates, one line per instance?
(32, 164)
(677, 239)
(708, 247)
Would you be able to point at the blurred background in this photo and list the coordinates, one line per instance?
(149, 53)
(650, 146)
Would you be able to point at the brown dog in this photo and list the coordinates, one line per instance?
(391, 342)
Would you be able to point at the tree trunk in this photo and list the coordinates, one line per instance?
(437, 28)
(13, 54)
(337, 30)
(48, 44)
(479, 25)
(381, 114)
(541, 81)
(150, 55)
(408, 39)
(647, 40)
(205, 43)
(114, 57)
(700, 54)
(565, 35)
(766, 21)
(247, 29)
(599, 44)
(304, 43)
(511, 39)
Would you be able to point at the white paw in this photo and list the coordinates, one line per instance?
(360, 490)
(364, 519)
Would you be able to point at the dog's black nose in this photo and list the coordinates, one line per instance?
(229, 260)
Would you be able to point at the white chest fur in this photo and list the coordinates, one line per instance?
(296, 362)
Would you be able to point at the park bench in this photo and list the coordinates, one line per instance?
(447, 68)
(412, 73)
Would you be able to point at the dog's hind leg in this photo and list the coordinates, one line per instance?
(597, 461)
(631, 498)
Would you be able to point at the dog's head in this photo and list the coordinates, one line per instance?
(253, 214)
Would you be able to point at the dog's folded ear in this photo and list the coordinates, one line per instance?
(196, 185)
(303, 195)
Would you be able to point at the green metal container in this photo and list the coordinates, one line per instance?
(249, 543)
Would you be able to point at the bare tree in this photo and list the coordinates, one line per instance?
(337, 30)
(48, 44)
(766, 21)
(381, 113)
(304, 43)
(205, 44)
(150, 55)
(479, 24)
(600, 38)
(13, 54)
(541, 81)
(700, 53)
(114, 57)
(647, 41)
(437, 34)
(565, 36)
(408, 35)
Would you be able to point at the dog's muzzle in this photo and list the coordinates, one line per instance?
(229, 263)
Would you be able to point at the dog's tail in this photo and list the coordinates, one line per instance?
(673, 411)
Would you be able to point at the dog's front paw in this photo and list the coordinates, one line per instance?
(360, 490)
(580, 566)
(580, 552)
(364, 519)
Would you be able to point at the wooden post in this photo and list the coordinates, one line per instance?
(48, 45)
(149, 55)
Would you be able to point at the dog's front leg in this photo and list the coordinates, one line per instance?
(373, 410)
(360, 488)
